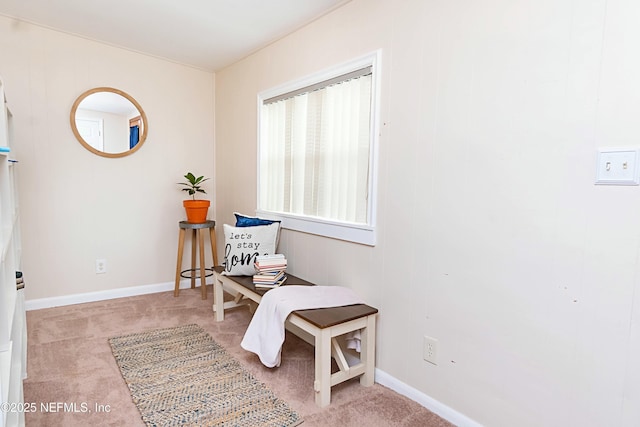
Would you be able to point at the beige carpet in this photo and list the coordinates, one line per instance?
(72, 372)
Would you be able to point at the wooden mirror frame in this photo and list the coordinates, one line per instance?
(143, 116)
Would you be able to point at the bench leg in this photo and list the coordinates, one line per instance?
(218, 298)
(322, 384)
(368, 351)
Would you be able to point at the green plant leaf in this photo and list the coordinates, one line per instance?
(192, 186)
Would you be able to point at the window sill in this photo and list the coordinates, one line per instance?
(350, 232)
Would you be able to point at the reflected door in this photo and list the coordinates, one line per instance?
(91, 132)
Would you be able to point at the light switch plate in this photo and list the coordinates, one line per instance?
(618, 166)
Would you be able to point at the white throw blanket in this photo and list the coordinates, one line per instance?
(265, 333)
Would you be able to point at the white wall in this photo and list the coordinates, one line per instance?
(492, 236)
(77, 206)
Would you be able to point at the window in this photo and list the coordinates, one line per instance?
(317, 152)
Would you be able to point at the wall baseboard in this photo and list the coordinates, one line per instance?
(381, 377)
(428, 402)
(37, 304)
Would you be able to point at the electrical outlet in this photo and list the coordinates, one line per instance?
(101, 266)
(430, 350)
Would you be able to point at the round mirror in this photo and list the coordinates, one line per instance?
(108, 122)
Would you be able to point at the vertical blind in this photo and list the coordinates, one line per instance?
(315, 150)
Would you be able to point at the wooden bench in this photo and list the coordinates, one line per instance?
(319, 327)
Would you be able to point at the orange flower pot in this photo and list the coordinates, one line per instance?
(196, 210)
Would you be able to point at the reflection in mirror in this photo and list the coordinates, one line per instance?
(108, 122)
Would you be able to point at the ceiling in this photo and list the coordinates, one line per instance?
(205, 34)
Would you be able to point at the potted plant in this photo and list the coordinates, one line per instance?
(196, 209)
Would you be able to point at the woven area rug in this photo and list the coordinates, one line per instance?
(181, 376)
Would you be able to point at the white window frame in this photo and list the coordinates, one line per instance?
(352, 232)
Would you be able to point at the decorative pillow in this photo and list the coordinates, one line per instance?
(251, 221)
(243, 244)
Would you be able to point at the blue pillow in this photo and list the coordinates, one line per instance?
(248, 221)
(252, 221)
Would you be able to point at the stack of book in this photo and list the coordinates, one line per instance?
(270, 271)
(19, 280)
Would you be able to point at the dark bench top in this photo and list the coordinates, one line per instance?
(320, 317)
